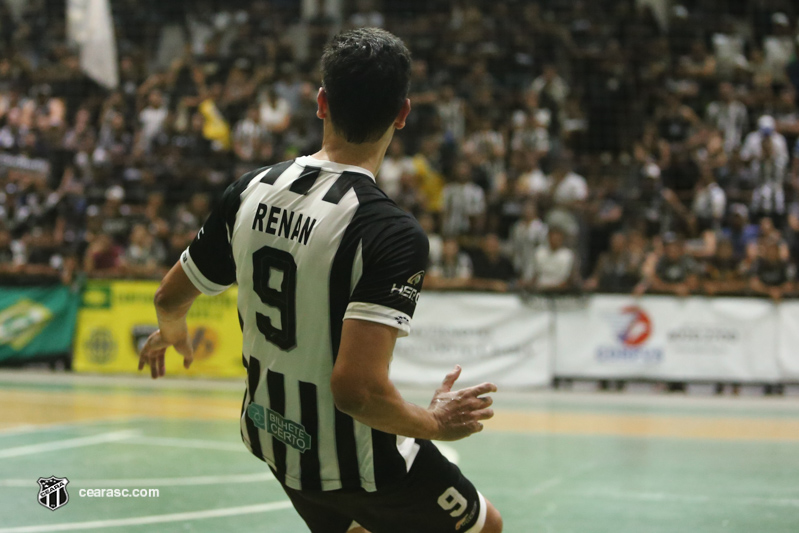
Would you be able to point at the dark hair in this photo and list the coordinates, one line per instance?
(366, 75)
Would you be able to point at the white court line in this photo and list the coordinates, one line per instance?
(32, 428)
(688, 498)
(153, 519)
(68, 443)
(152, 482)
(190, 443)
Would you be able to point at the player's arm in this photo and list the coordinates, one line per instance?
(380, 309)
(173, 300)
(206, 267)
(362, 389)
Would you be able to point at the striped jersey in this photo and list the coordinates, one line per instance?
(310, 244)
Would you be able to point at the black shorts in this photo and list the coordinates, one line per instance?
(434, 497)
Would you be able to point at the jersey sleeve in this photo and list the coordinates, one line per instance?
(208, 261)
(394, 263)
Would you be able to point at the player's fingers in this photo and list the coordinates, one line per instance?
(155, 341)
(450, 379)
(162, 364)
(153, 368)
(478, 390)
(142, 362)
(475, 427)
(473, 404)
(483, 414)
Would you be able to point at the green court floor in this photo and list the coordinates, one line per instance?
(552, 462)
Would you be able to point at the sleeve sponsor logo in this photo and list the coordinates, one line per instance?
(405, 291)
(417, 278)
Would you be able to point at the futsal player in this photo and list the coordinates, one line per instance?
(329, 272)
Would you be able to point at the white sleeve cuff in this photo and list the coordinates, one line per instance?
(203, 284)
(380, 314)
(481, 519)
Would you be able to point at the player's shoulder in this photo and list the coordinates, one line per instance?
(269, 173)
(379, 211)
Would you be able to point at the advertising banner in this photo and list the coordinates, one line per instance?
(116, 317)
(657, 337)
(494, 337)
(37, 321)
(788, 350)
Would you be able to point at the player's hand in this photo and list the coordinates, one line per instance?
(154, 349)
(459, 413)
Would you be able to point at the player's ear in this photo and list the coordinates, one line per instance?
(321, 101)
(402, 116)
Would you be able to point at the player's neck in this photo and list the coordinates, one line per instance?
(365, 155)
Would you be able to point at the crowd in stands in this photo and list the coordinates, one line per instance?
(554, 146)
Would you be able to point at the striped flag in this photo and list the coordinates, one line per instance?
(90, 26)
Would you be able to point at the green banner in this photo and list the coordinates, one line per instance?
(37, 321)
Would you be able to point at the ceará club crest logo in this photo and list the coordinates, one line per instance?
(633, 326)
(53, 492)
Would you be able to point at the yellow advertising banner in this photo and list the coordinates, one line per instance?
(116, 317)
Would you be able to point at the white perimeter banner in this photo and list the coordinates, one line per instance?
(788, 353)
(494, 337)
(660, 337)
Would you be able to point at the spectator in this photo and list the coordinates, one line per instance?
(428, 167)
(452, 113)
(768, 198)
(103, 258)
(617, 270)
(709, 203)
(525, 237)
(767, 231)
(675, 272)
(724, 273)
(555, 265)
(766, 146)
(772, 275)
(464, 204)
(491, 269)
(454, 271)
(729, 116)
(6, 251)
(144, 255)
(436, 242)
(275, 112)
(151, 120)
(568, 188)
(531, 128)
(740, 232)
(550, 83)
(779, 46)
(395, 164)
(532, 182)
(216, 128)
(251, 140)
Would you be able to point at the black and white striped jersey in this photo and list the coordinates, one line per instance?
(311, 243)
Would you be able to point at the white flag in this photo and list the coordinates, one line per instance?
(89, 24)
